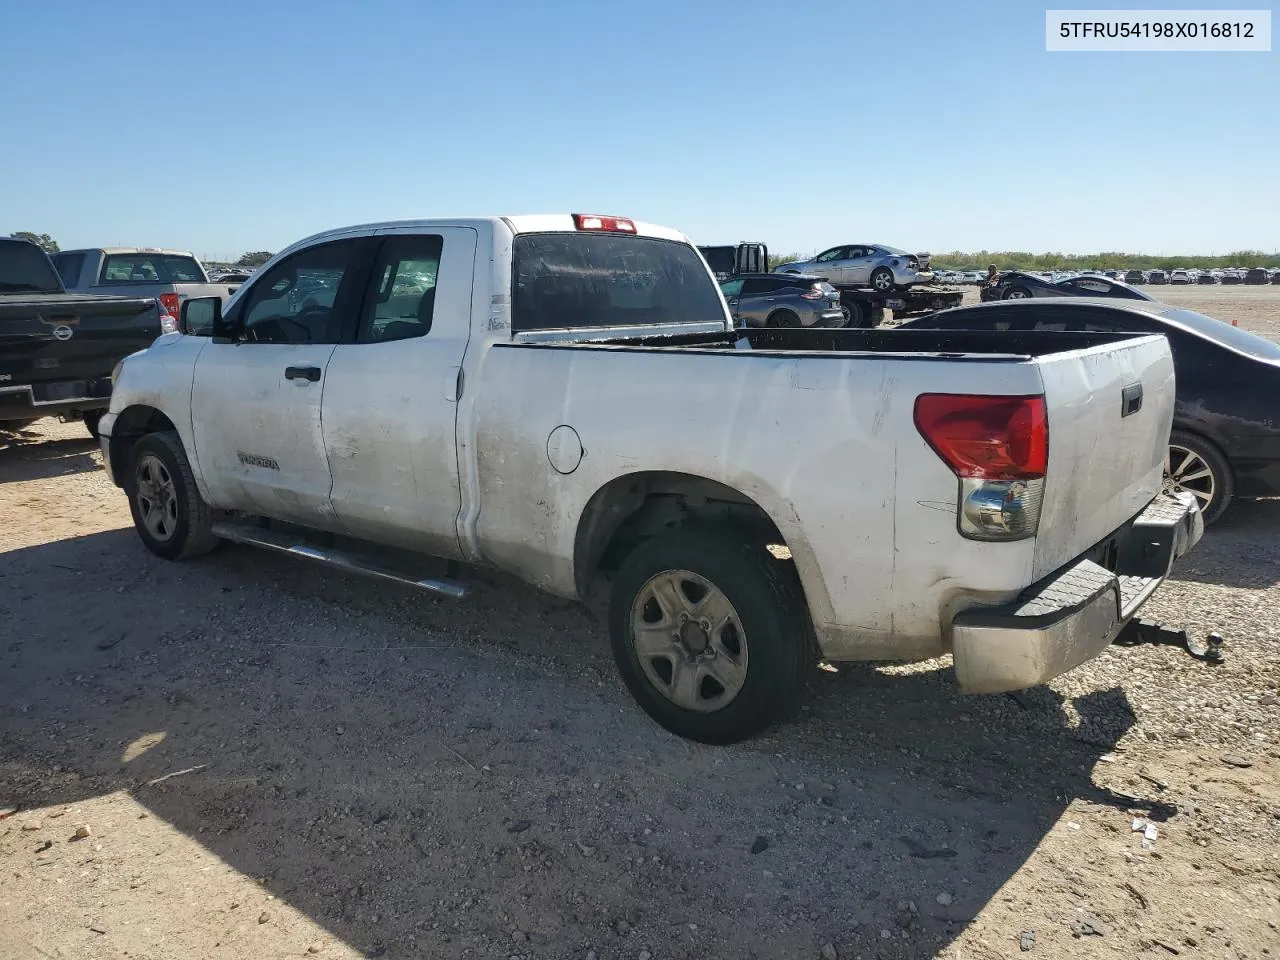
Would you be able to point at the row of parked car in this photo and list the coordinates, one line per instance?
(1236, 275)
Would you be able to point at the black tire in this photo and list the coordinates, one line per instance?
(1182, 442)
(774, 644)
(91, 420)
(186, 529)
(855, 314)
(882, 279)
(1016, 293)
(783, 318)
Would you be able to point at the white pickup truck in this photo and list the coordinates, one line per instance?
(564, 397)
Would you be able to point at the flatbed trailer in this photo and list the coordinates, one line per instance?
(866, 307)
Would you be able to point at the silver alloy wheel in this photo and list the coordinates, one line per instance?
(882, 280)
(1184, 469)
(156, 497)
(1016, 294)
(689, 640)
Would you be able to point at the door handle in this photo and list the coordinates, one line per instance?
(302, 373)
(1130, 400)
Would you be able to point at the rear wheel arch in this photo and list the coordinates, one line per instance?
(636, 507)
(783, 317)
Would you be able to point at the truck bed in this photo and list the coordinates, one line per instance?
(943, 344)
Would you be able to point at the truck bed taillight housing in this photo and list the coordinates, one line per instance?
(170, 303)
(169, 308)
(998, 447)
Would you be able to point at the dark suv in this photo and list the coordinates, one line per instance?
(1135, 276)
(783, 300)
(1257, 275)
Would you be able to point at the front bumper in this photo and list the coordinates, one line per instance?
(1075, 614)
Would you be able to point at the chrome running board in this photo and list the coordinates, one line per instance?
(296, 546)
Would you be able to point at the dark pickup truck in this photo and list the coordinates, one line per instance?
(57, 349)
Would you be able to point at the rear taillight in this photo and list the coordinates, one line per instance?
(170, 303)
(592, 221)
(814, 293)
(999, 448)
(986, 438)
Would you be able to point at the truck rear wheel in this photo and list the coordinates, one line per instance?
(169, 514)
(709, 634)
(91, 420)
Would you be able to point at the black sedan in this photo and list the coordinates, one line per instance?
(1016, 285)
(1226, 423)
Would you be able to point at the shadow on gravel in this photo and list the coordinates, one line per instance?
(1240, 550)
(424, 778)
(28, 456)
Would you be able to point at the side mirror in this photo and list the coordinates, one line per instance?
(198, 316)
(202, 317)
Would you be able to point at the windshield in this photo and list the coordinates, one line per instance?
(605, 280)
(25, 268)
(1225, 333)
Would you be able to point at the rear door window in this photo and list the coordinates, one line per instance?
(150, 268)
(402, 295)
(589, 279)
(758, 285)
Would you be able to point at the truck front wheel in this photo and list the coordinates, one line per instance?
(172, 519)
(709, 634)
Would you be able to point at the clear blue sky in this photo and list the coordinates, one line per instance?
(230, 126)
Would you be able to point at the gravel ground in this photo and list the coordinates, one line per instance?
(272, 760)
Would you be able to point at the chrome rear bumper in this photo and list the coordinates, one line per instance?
(1073, 616)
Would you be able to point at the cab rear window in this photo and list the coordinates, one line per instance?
(150, 268)
(566, 280)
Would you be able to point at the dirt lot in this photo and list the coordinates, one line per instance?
(270, 760)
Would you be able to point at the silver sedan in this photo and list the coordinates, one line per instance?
(865, 265)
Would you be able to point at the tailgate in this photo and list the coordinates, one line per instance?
(71, 338)
(1110, 410)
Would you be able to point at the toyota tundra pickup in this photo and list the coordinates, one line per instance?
(565, 398)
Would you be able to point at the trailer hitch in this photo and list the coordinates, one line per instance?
(1151, 631)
